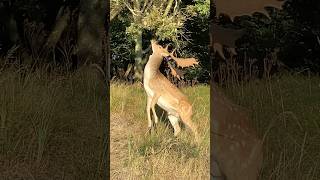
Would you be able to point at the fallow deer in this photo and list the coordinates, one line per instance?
(162, 92)
(236, 150)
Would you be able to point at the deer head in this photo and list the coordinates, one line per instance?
(158, 49)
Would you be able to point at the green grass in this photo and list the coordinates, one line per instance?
(51, 125)
(158, 155)
(285, 109)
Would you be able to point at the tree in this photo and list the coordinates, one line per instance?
(301, 43)
(165, 19)
(82, 23)
(8, 26)
(91, 17)
(91, 28)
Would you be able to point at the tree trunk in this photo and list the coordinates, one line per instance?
(138, 69)
(62, 22)
(13, 29)
(91, 30)
(10, 35)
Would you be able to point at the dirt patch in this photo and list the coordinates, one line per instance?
(121, 130)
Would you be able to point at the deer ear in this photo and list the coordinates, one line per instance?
(166, 48)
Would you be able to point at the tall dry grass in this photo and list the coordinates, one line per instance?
(285, 109)
(51, 124)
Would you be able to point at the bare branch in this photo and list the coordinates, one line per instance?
(147, 7)
(175, 8)
(116, 8)
(114, 13)
(169, 5)
(130, 9)
(144, 5)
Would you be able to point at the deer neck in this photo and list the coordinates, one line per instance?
(152, 67)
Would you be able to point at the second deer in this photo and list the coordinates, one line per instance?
(236, 149)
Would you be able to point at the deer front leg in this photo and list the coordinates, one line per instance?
(148, 113)
(154, 101)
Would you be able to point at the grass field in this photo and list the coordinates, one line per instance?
(135, 155)
(51, 126)
(285, 109)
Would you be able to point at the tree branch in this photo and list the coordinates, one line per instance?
(146, 6)
(175, 7)
(114, 12)
(132, 10)
(169, 5)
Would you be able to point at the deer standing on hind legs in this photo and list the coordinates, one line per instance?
(162, 92)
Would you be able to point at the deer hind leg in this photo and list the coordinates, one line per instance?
(185, 115)
(175, 123)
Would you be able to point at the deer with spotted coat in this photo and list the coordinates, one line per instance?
(236, 149)
(162, 92)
